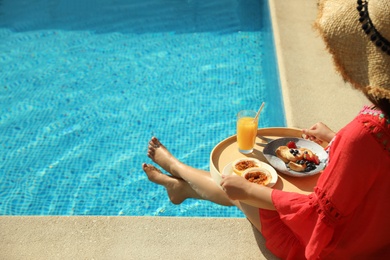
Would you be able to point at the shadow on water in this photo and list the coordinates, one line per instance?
(133, 16)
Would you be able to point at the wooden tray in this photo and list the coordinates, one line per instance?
(227, 151)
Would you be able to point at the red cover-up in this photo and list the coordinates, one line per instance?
(348, 214)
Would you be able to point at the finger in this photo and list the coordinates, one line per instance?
(307, 132)
(223, 187)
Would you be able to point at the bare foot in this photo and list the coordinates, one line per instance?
(177, 189)
(160, 155)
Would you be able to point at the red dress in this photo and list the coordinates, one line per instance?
(348, 214)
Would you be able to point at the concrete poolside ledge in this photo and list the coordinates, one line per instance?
(312, 92)
(127, 238)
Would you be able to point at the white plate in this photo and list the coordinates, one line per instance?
(228, 170)
(277, 163)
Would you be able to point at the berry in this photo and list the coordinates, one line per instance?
(291, 145)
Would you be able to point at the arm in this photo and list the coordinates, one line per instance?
(238, 188)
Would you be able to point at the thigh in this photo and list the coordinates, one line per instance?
(252, 214)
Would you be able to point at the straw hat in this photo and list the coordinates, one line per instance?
(357, 34)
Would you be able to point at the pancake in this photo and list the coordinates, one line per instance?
(285, 153)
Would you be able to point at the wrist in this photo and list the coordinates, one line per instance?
(330, 136)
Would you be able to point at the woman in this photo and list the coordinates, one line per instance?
(348, 214)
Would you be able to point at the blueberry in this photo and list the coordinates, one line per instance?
(309, 168)
(294, 152)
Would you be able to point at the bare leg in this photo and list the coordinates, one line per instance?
(178, 190)
(160, 155)
(199, 181)
(252, 214)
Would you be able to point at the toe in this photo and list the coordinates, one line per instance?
(155, 142)
(149, 168)
(151, 153)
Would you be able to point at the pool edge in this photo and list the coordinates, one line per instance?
(124, 237)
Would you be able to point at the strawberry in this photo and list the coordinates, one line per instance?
(309, 156)
(316, 160)
(291, 145)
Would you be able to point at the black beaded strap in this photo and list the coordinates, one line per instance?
(369, 28)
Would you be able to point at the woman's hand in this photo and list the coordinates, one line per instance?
(235, 186)
(239, 188)
(319, 133)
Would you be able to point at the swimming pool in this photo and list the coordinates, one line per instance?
(85, 84)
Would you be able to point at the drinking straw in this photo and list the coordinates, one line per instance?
(258, 112)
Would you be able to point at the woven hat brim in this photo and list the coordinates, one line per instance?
(356, 58)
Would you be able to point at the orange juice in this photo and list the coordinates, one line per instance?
(246, 133)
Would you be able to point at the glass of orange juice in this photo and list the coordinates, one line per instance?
(246, 130)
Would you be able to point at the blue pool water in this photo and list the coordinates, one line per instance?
(85, 84)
